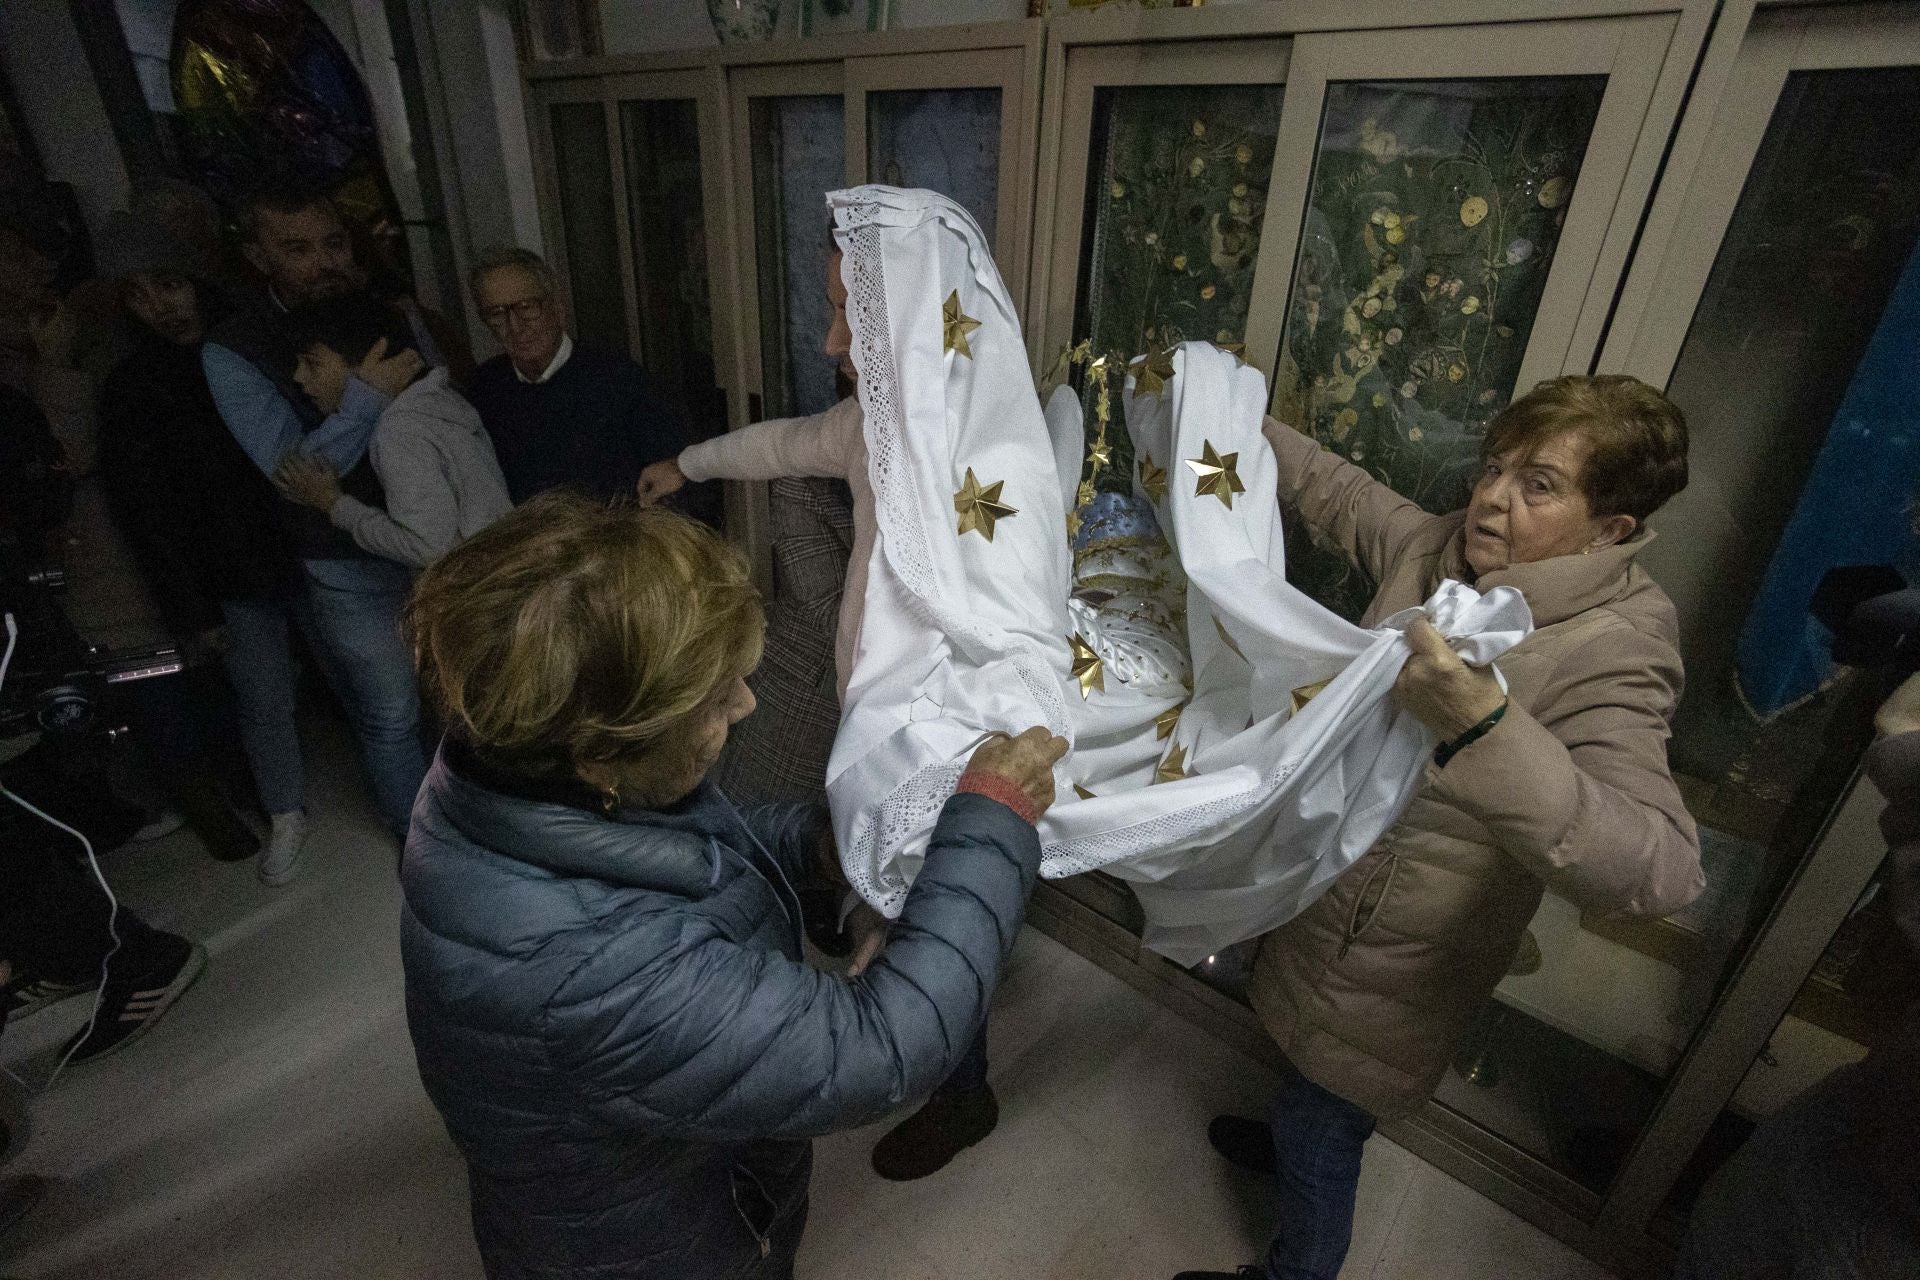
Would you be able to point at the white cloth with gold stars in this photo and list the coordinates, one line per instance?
(962, 634)
(1229, 808)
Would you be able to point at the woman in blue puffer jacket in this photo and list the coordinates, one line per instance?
(605, 984)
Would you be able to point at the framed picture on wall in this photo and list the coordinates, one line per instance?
(839, 17)
(555, 30)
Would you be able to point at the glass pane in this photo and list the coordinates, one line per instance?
(1431, 227)
(670, 253)
(1176, 193)
(799, 154)
(1177, 182)
(1809, 318)
(1855, 996)
(584, 171)
(946, 140)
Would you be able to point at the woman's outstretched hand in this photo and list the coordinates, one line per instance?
(658, 480)
(1026, 761)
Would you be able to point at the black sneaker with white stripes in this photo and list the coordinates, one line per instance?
(133, 1004)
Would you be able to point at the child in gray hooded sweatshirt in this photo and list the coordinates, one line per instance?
(436, 466)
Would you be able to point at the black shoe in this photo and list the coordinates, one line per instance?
(1246, 1144)
(951, 1121)
(1235, 1274)
(31, 997)
(133, 1006)
(214, 820)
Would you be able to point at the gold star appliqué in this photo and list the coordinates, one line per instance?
(1153, 479)
(956, 325)
(1087, 668)
(1216, 475)
(1226, 639)
(1074, 521)
(1305, 694)
(980, 506)
(1101, 452)
(1174, 767)
(1165, 723)
(1155, 371)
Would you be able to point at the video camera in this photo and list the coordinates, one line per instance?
(56, 683)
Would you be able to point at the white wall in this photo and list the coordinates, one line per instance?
(470, 68)
(47, 66)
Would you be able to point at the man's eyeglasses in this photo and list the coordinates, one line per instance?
(524, 310)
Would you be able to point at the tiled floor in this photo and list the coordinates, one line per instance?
(273, 1125)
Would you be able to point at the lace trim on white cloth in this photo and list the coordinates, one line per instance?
(1091, 853)
(909, 809)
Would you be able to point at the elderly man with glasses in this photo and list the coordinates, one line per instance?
(566, 416)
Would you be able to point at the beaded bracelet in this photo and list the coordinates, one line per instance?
(1448, 750)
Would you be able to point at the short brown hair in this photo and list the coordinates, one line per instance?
(573, 632)
(283, 197)
(1636, 438)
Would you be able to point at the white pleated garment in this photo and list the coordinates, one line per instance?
(963, 636)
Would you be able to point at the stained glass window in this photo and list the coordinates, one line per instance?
(265, 93)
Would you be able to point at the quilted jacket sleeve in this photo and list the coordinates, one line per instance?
(1344, 507)
(791, 833)
(1579, 791)
(720, 1042)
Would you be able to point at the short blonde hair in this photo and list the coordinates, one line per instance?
(571, 632)
(1636, 438)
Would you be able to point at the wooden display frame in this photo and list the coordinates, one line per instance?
(1634, 261)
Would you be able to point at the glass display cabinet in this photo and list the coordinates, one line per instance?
(1405, 220)
(628, 168)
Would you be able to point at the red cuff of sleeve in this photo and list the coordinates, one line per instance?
(995, 786)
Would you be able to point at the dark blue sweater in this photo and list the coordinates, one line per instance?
(591, 428)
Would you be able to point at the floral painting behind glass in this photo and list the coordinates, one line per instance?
(799, 154)
(1430, 231)
(946, 140)
(1177, 192)
(670, 253)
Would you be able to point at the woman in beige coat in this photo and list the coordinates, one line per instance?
(1560, 783)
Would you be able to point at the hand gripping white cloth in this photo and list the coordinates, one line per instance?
(1229, 809)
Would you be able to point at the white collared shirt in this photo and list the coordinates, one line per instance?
(559, 358)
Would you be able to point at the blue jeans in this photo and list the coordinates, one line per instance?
(1318, 1140)
(259, 662)
(356, 619)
